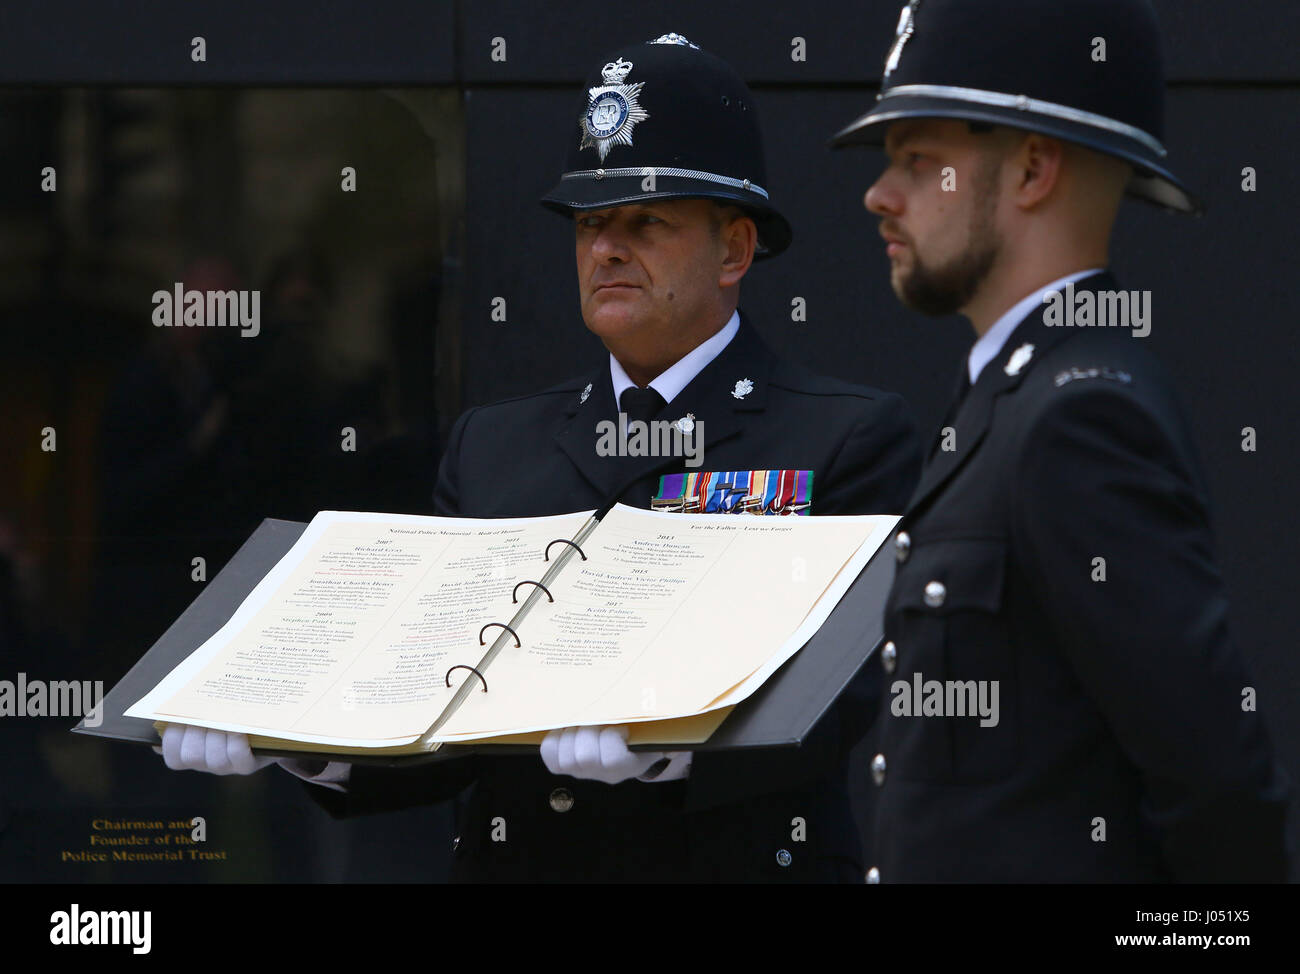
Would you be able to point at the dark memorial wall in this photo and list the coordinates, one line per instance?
(1223, 317)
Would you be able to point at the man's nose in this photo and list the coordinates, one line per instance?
(610, 245)
(881, 199)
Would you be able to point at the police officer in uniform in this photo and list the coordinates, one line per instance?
(666, 186)
(1064, 702)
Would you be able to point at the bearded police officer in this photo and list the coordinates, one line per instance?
(1065, 703)
(666, 185)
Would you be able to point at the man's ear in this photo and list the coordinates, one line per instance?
(1037, 164)
(740, 236)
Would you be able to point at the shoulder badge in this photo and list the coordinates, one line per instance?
(1104, 372)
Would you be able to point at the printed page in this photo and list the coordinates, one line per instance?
(347, 640)
(670, 616)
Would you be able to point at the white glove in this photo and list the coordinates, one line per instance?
(203, 749)
(601, 754)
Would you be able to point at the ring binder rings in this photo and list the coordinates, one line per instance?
(463, 691)
(574, 544)
(547, 556)
(466, 666)
(489, 625)
(514, 596)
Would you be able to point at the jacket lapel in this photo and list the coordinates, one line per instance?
(973, 417)
(577, 432)
(713, 397)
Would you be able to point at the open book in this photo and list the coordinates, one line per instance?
(387, 633)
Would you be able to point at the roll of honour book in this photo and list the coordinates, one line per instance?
(388, 633)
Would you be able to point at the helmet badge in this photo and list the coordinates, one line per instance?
(612, 110)
(906, 28)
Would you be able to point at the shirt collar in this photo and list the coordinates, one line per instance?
(990, 343)
(678, 376)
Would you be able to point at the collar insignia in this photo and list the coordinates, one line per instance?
(743, 388)
(1019, 359)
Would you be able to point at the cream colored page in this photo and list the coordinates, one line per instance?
(668, 613)
(880, 528)
(354, 643)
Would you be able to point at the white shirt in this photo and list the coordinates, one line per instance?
(990, 343)
(678, 376)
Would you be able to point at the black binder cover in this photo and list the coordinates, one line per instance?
(780, 714)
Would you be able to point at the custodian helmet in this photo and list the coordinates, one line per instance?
(666, 120)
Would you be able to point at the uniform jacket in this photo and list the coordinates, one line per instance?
(732, 819)
(1121, 700)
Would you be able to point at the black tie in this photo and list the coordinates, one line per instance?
(963, 387)
(642, 404)
(959, 396)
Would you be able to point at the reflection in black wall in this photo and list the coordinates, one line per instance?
(168, 445)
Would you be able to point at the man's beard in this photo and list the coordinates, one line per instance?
(947, 289)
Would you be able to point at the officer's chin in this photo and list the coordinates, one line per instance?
(613, 312)
(898, 281)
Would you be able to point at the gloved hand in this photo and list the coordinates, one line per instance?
(203, 749)
(601, 754)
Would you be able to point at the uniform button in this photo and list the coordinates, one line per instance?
(902, 546)
(935, 593)
(561, 799)
(878, 769)
(873, 876)
(783, 857)
(889, 657)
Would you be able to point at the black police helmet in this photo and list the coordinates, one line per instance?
(1038, 66)
(666, 120)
